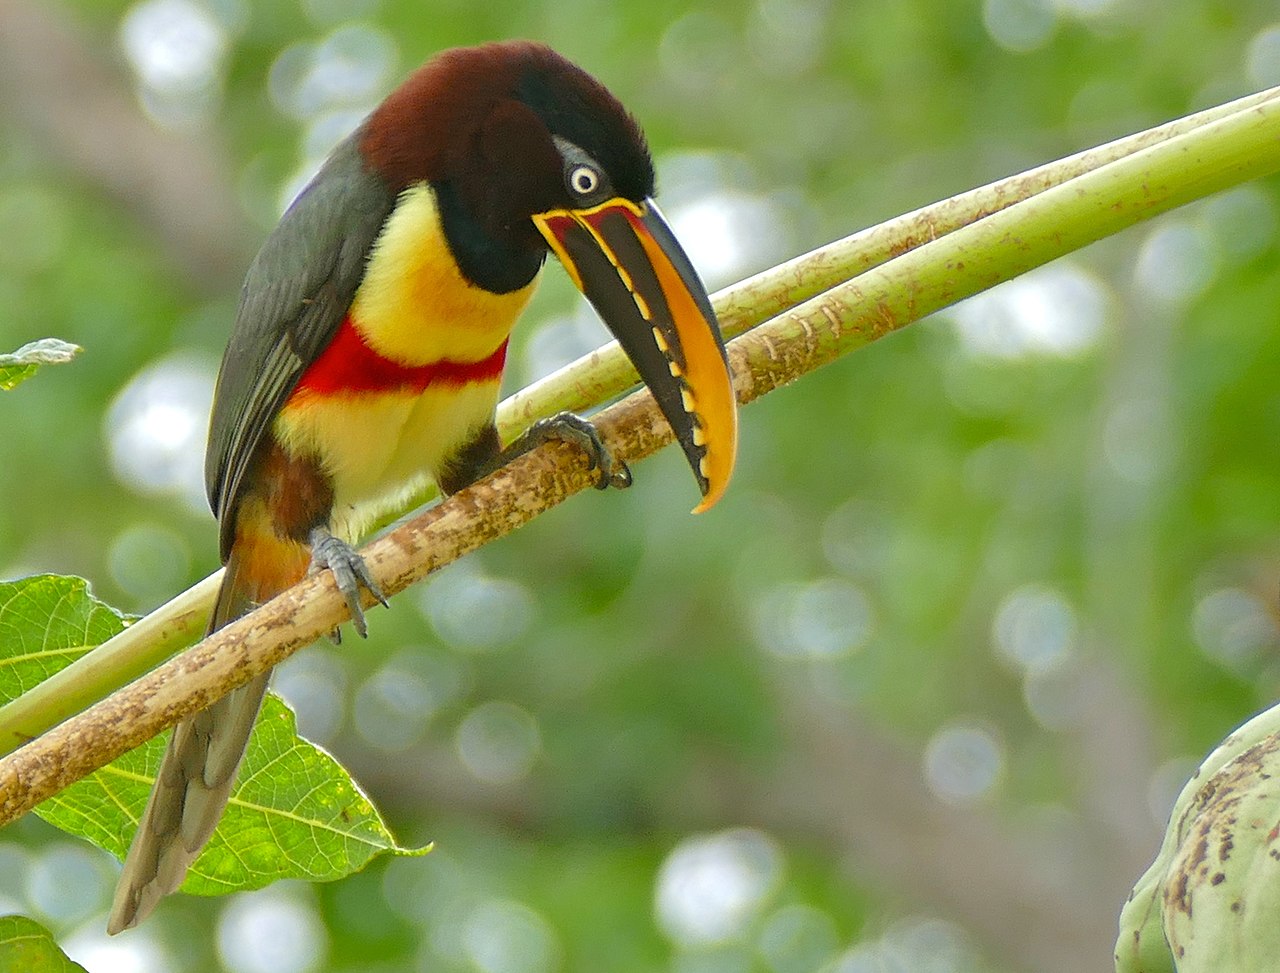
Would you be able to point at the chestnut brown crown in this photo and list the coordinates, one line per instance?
(498, 131)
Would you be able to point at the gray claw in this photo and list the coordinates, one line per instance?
(570, 428)
(350, 573)
(621, 477)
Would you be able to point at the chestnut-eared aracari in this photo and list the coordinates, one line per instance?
(369, 343)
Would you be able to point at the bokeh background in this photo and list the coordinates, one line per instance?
(915, 697)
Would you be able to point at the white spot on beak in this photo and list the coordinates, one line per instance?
(675, 369)
(686, 398)
(660, 341)
(699, 437)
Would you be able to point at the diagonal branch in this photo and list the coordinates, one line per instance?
(596, 378)
(1241, 145)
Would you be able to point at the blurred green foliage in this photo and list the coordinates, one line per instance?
(980, 594)
(26, 946)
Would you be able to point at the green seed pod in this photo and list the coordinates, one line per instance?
(1210, 900)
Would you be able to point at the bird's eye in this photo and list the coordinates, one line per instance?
(584, 180)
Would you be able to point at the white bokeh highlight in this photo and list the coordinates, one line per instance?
(1058, 310)
(394, 705)
(797, 939)
(65, 882)
(712, 887)
(314, 684)
(498, 742)
(475, 612)
(1019, 26)
(272, 931)
(1177, 261)
(503, 936)
(1233, 627)
(157, 426)
(912, 945)
(149, 561)
(963, 763)
(177, 50)
(139, 952)
(824, 619)
(1035, 628)
(1262, 57)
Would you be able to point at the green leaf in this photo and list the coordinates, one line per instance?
(23, 363)
(47, 621)
(27, 946)
(295, 812)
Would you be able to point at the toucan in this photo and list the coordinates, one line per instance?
(369, 344)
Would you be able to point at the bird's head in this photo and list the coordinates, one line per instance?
(526, 153)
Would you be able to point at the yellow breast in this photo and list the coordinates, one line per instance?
(414, 306)
(379, 447)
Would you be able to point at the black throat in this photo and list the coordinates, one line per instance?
(492, 263)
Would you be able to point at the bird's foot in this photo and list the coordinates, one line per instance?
(566, 427)
(349, 572)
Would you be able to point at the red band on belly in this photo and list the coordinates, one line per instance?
(348, 364)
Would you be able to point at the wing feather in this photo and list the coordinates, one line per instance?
(295, 296)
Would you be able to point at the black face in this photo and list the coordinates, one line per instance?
(529, 154)
(580, 113)
(489, 128)
(557, 139)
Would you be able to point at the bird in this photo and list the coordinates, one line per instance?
(369, 343)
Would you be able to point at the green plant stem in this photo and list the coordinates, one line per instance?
(1035, 205)
(1212, 157)
(606, 372)
(1241, 146)
(114, 663)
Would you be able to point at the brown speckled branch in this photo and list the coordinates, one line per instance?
(1237, 145)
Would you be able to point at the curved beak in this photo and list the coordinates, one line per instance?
(624, 258)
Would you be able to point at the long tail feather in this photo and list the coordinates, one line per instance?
(194, 782)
